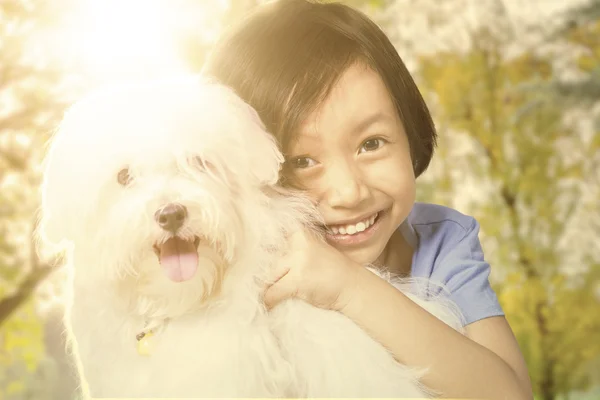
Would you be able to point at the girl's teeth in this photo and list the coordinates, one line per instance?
(352, 229)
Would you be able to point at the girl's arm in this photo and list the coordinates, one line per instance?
(487, 364)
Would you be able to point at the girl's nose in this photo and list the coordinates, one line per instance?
(344, 186)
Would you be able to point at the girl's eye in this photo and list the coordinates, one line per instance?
(371, 145)
(302, 162)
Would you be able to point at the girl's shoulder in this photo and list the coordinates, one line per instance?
(432, 227)
(447, 250)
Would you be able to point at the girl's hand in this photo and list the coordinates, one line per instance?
(315, 272)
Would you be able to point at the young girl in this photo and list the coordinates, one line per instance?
(356, 133)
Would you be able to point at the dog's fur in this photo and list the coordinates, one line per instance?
(195, 143)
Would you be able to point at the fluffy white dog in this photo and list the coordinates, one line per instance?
(165, 194)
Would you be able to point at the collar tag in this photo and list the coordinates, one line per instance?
(144, 343)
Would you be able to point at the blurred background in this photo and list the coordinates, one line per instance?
(514, 87)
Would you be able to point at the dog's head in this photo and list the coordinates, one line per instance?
(158, 184)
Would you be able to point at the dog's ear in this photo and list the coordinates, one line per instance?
(266, 157)
(53, 216)
(46, 237)
(58, 210)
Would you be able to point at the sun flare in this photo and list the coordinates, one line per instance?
(124, 38)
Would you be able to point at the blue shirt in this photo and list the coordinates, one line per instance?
(447, 250)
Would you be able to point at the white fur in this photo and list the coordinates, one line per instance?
(332, 357)
(213, 337)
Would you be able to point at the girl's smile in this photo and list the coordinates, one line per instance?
(355, 233)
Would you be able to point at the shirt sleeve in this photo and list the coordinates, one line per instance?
(466, 274)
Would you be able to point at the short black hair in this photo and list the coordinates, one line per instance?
(285, 57)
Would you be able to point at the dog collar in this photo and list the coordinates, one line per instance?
(144, 343)
(145, 337)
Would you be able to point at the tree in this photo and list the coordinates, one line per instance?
(531, 166)
(30, 108)
(578, 29)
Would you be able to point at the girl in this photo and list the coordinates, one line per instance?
(356, 133)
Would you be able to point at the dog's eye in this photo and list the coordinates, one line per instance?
(123, 177)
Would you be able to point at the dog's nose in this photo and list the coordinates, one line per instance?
(171, 216)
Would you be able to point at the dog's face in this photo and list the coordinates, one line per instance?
(156, 184)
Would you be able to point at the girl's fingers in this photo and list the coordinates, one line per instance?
(281, 290)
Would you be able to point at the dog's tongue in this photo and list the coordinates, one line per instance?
(179, 258)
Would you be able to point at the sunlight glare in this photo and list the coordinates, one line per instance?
(114, 38)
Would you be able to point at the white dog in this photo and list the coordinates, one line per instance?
(165, 194)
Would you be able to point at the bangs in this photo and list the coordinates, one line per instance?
(327, 57)
(321, 61)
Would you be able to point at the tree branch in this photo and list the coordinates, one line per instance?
(9, 304)
(39, 272)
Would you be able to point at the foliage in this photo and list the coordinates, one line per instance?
(26, 371)
(30, 107)
(534, 166)
(576, 39)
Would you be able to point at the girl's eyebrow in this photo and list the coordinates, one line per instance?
(302, 141)
(369, 120)
(360, 126)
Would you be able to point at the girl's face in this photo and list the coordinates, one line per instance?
(352, 155)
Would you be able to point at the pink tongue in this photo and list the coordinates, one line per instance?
(179, 258)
